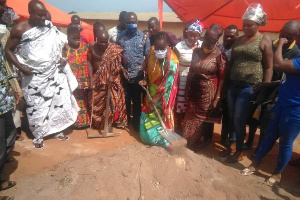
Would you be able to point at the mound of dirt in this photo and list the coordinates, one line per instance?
(141, 172)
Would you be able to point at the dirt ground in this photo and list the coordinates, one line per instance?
(123, 168)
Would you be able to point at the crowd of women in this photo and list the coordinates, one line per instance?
(237, 77)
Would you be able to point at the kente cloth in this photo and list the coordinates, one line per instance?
(50, 104)
(82, 98)
(201, 89)
(111, 68)
(77, 59)
(185, 58)
(162, 78)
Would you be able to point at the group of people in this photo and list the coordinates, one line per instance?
(71, 80)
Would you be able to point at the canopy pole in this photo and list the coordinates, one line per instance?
(160, 12)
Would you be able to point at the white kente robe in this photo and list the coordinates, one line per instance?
(50, 104)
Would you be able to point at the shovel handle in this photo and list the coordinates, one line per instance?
(154, 107)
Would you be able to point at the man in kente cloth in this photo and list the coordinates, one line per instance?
(47, 80)
(108, 74)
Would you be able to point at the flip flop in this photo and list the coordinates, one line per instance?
(10, 184)
(272, 182)
(247, 172)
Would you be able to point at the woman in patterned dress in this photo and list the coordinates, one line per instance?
(203, 90)
(161, 79)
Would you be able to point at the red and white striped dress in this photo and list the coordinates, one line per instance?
(185, 58)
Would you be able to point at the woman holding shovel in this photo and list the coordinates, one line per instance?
(161, 78)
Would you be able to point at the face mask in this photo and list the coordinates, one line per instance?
(131, 28)
(160, 54)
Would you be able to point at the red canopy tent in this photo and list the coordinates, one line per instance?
(59, 18)
(226, 12)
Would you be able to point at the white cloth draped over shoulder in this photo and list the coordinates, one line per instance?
(50, 104)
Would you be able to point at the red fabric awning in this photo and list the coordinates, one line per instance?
(59, 18)
(226, 12)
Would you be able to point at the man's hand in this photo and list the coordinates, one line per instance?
(27, 71)
(282, 41)
(62, 62)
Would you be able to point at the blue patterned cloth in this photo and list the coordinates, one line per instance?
(6, 98)
(135, 49)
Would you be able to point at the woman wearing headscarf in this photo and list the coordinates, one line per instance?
(184, 51)
(203, 90)
(161, 78)
(251, 62)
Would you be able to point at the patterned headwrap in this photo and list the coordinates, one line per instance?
(213, 33)
(255, 13)
(197, 26)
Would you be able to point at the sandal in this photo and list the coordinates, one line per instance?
(8, 184)
(247, 171)
(225, 152)
(38, 144)
(272, 182)
(62, 137)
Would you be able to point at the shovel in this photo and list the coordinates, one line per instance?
(167, 134)
(93, 133)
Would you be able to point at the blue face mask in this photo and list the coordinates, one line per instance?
(131, 28)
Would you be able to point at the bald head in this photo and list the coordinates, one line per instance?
(131, 17)
(102, 39)
(35, 5)
(38, 13)
(290, 31)
(102, 34)
(75, 19)
(292, 26)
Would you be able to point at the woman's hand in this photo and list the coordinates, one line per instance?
(143, 83)
(157, 97)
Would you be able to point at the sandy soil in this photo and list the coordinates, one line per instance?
(123, 168)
